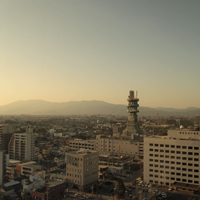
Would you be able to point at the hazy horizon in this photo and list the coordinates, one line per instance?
(62, 51)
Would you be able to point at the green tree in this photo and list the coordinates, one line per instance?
(119, 185)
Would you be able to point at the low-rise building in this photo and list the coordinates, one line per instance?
(82, 144)
(59, 160)
(52, 190)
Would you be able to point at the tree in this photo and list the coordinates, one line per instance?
(119, 185)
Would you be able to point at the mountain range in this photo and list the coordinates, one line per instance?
(40, 107)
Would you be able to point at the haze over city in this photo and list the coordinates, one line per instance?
(62, 51)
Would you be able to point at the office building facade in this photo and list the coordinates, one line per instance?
(172, 158)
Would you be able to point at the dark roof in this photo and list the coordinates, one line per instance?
(50, 165)
(186, 186)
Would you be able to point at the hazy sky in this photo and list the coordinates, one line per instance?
(72, 50)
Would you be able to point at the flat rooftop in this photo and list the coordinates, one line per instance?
(54, 183)
(82, 152)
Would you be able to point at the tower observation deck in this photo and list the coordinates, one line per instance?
(132, 124)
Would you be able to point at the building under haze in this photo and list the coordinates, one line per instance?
(82, 167)
(132, 128)
(173, 160)
(6, 132)
(22, 145)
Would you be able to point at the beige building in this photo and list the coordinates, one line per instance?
(119, 146)
(59, 160)
(173, 158)
(22, 145)
(82, 144)
(82, 167)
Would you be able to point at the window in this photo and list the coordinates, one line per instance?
(166, 145)
(150, 154)
(190, 153)
(189, 158)
(173, 157)
(196, 182)
(161, 150)
(156, 170)
(184, 175)
(172, 173)
(166, 172)
(189, 175)
(178, 163)
(189, 181)
(156, 150)
(196, 148)
(172, 162)
(161, 166)
(156, 160)
(183, 169)
(161, 161)
(151, 144)
(166, 151)
(184, 163)
(156, 176)
(178, 168)
(178, 174)
(190, 147)
(196, 176)
(178, 152)
(172, 146)
(184, 147)
(151, 160)
(150, 170)
(178, 179)
(178, 157)
(156, 145)
(150, 165)
(166, 161)
(161, 156)
(166, 156)
(184, 180)
(189, 170)
(189, 164)
(161, 145)
(150, 149)
(156, 155)
(166, 167)
(196, 159)
(156, 165)
(196, 165)
(178, 147)
(151, 175)
(172, 167)
(172, 178)
(196, 154)
(196, 170)
(184, 152)
(184, 158)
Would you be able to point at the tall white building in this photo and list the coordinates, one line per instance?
(22, 145)
(2, 167)
(173, 158)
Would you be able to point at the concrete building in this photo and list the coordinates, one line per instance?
(6, 132)
(82, 167)
(59, 160)
(26, 169)
(119, 146)
(2, 167)
(132, 128)
(22, 145)
(172, 159)
(82, 144)
(52, 190)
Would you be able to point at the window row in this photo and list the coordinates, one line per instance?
(178, 163)
(177, 174)
(174, 146)
(177, 168)
(172, 157)
(177, 152)
(177, 179)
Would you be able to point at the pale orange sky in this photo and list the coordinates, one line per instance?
(99, 50)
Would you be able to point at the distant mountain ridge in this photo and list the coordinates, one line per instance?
(40, 107)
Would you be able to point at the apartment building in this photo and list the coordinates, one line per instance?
(2, 167)
(59, 160)
(82, 167)
(82, 144)
(22, 145)
(120, 146)
(26, 169)
(172, 159)
(6, 132)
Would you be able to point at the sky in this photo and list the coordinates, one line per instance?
(73, 50)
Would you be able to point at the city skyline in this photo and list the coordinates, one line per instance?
(99, 50)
